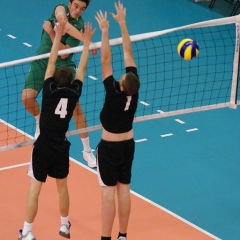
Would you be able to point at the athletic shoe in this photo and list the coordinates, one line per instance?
(121, 238)
(65, 230)
(90, 159)
(28, 236)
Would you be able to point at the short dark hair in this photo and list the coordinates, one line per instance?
(86, 1)
(63, 76)
(131, 84)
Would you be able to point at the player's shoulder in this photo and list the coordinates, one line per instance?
(52, 17)
(77, 23)
(76, 85)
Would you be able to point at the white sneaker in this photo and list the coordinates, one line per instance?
(28, 236)
(37, 131)
(65, 230)
(121, 238)
(90, 159)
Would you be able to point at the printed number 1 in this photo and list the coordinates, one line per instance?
(61, 108)
(129, 98)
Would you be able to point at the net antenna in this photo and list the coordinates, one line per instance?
(169, 85)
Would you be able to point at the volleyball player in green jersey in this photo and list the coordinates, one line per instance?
(34, 82)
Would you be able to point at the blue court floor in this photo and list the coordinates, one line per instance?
(194, 174)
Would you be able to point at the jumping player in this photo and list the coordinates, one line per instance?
(72, 36)
(50, 154)
(115, 151)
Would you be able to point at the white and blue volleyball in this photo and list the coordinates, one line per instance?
(188, 49)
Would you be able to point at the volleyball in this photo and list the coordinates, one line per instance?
(188, 49)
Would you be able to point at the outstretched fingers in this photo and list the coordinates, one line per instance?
(102, 20)
(119, 6)
(60, 26)
(120, 12)
(88, 33)
(100, 16)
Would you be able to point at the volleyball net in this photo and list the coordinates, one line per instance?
(169, 85)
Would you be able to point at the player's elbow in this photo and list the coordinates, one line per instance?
(82, 70)
(106, 59)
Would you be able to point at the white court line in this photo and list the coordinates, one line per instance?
(137, 195)
(167, 135)
(16, 129)
(175, 215)
(141, 140)
(144, 103)
(179, 121)
(11, 36)
(27, 44)
(191, 130)
(14, 166)
(134, 193)
(92, 77)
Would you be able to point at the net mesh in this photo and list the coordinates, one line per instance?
(169, 84)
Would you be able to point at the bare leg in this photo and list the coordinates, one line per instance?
(63, 196)
(80, 119)
(124, 206)
(108, 210)
(32, 202)
(29, 101)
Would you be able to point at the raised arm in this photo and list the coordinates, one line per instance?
(120, 17)
(106, 55)
(54, 51)
(60, 13)
(87, 36)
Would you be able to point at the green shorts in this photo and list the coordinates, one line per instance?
(36, 74)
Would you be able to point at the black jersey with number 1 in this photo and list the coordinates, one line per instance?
(119, 109)
(57, 109)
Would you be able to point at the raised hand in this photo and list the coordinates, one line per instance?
(88, 33)
(102, 20)
(120, 16)
(60, 27)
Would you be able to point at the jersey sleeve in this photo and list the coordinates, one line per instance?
(48, 86)
(76, 86)
(111, 85)
(52, 17)
(133, 70)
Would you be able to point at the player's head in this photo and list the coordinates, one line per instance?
(77, 7)
(129, 84)
(63, 77)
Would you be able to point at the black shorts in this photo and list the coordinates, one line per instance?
(49, 159)
(114, 161)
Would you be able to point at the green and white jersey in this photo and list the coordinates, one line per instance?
(46, 42)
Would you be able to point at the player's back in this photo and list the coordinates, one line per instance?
(57, 109)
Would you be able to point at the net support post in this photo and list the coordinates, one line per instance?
(234, 89)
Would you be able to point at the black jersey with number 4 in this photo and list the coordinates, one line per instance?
(57, 109)
(119, 109)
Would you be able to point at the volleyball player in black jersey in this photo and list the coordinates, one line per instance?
(115, 152)
(50, 154)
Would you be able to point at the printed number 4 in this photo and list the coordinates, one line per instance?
(61, 108)
(129, 98)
